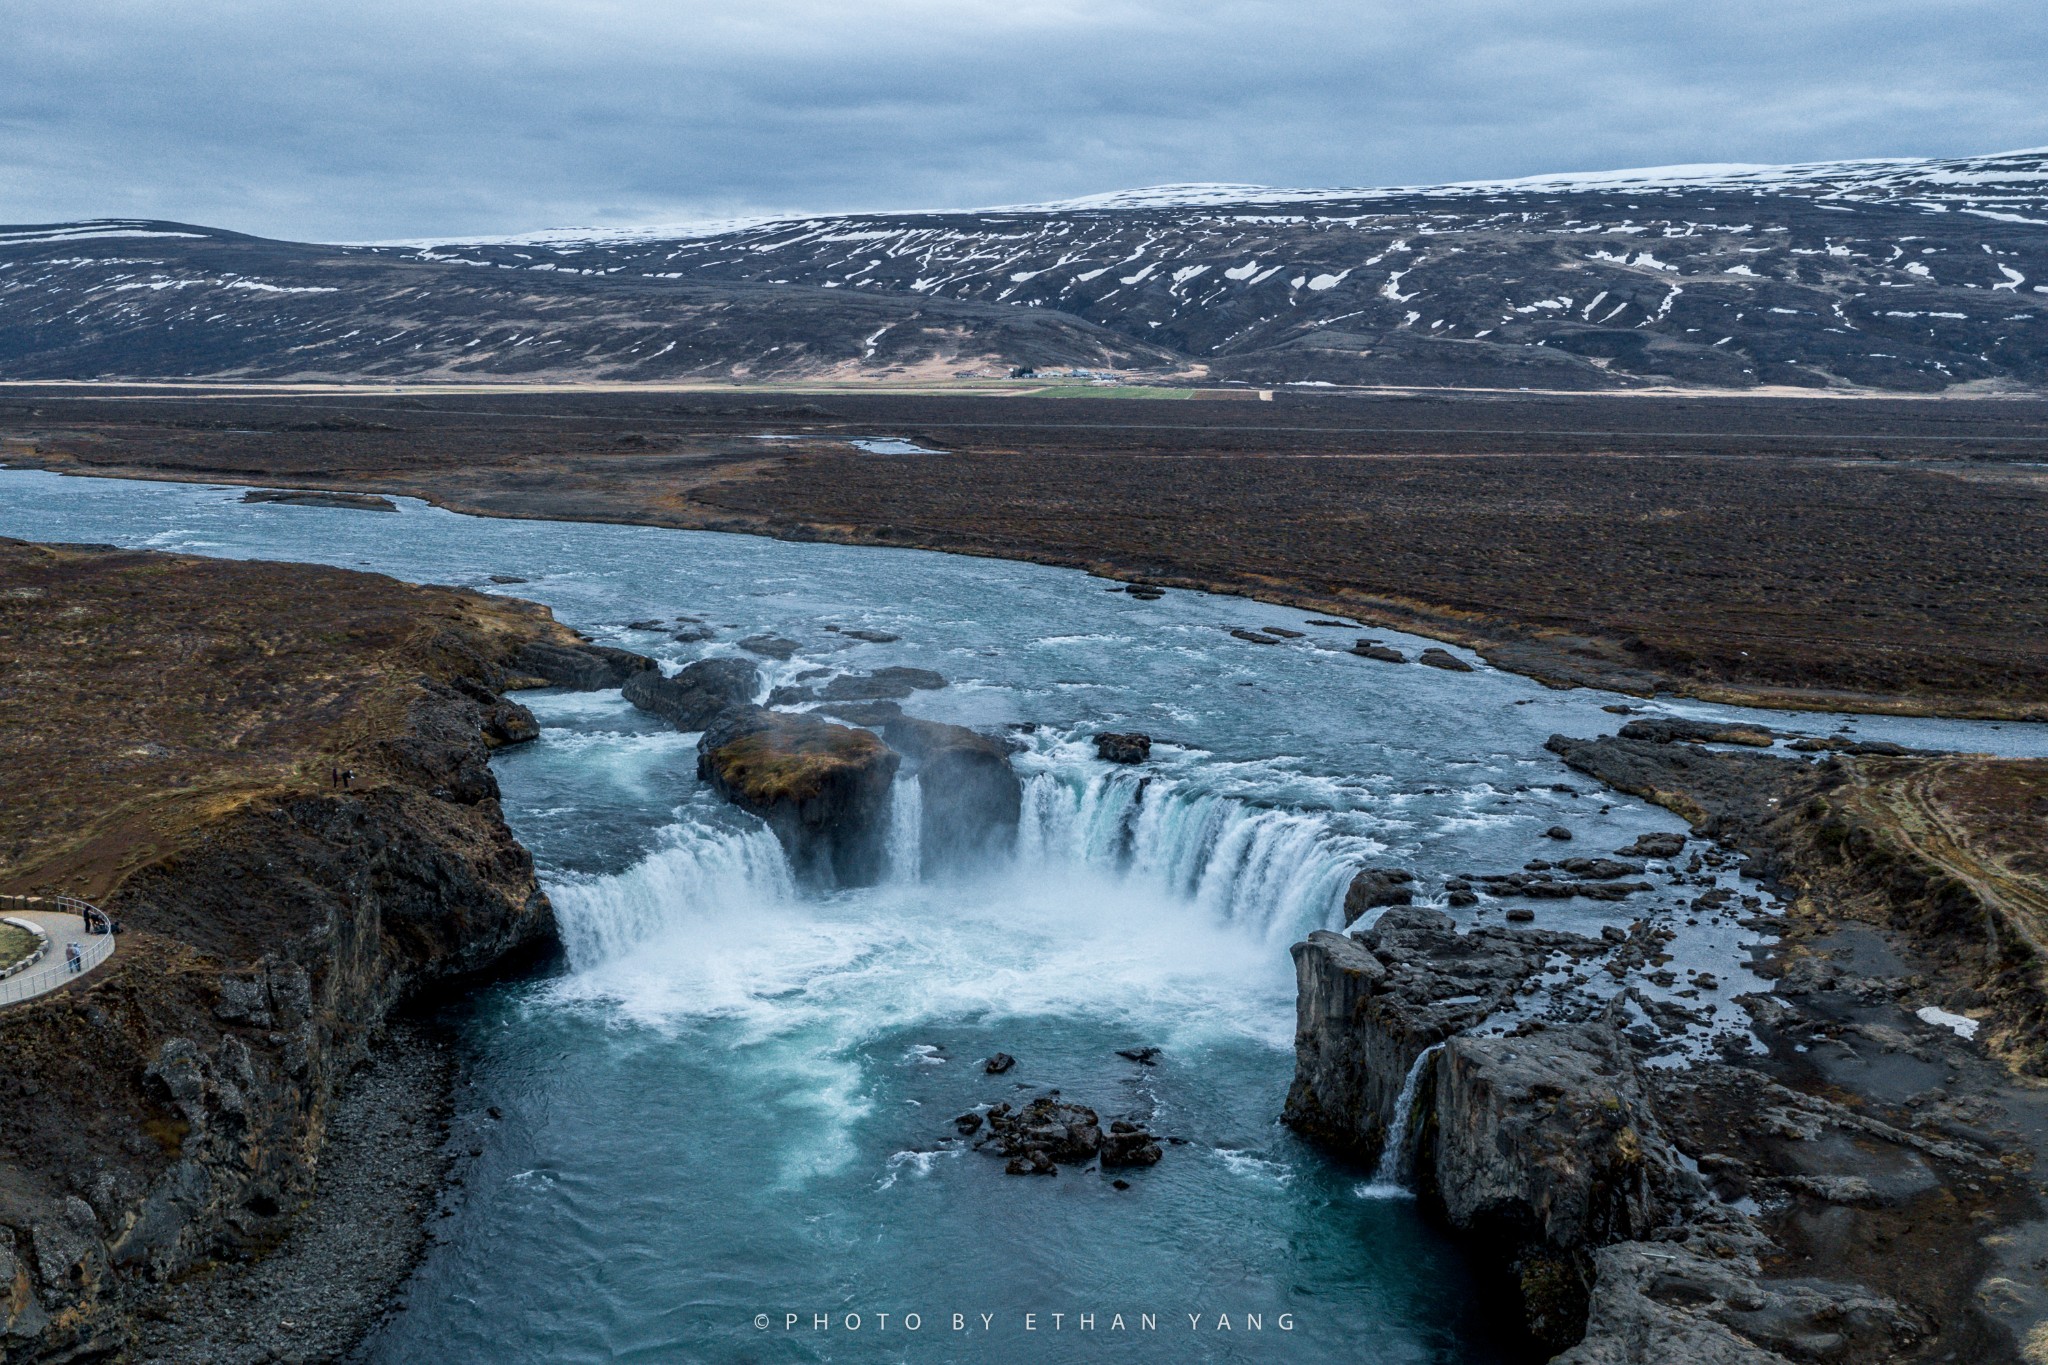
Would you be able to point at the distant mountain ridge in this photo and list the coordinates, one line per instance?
(1910, 275)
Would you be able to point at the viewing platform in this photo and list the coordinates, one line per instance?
(62, 923)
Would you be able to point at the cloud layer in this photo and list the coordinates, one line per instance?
(362, 119)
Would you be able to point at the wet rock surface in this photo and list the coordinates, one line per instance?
(1370, 1004)
(1376, 888)
(1848, 1183)
(969, 796)
(583, 668)
(1048, 1132)
(822, 788)
(1123, 747)
(697, 694)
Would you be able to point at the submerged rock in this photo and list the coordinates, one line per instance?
(884, 684)
(998, 1064)
(354, 502)
(1132, 746)
(693, 698)
(823, 788)
(585, 668)
(969, 796)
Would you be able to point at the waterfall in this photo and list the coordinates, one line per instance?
(698, 868)
(1390, 1177)
(1274, 872)
(906, 820)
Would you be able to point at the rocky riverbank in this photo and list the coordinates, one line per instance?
(275, 777)
(1854, 1180)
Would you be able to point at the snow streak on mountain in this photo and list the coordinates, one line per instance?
(1895, 275)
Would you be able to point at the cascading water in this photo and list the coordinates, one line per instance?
(698, 868)
(1270, 872)
(906, 818)
(1390, 1178)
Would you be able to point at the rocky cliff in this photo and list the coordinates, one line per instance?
(1850, 1182)
(175, 731)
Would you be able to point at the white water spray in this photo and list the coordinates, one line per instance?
(1271, 872)
(699, 868)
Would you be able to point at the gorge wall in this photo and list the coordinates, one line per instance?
(173, 730)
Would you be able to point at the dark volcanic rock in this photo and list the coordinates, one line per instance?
(1369, 1006)
(1603, 869)
(1671, 730)
(1254, 637)
(1127, 1144)
(693, 698)
(1543, 1147)
(823, 788)
(970, 797)
(1558, 832)
(998, 1064)
(585, 668)
(1654, 846)
(1046, 1128)
(1131, 746)
(769, 646)
(1373, 649)
(1443, 658)
(1377, 887)
(884, 684)
(356, 502)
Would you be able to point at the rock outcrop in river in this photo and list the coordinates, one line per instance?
(167, 1111)
(970, 797)
(823, 788)
(695, 696)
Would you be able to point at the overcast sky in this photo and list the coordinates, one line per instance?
(370, 119)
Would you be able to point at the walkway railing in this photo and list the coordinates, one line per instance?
(95, 944)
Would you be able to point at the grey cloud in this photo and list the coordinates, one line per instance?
(364, 119)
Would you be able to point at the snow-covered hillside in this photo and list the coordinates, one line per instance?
(1911, 275)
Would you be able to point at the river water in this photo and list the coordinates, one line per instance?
(724, 1124)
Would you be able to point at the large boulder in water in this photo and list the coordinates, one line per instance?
(970, 797)
(584, 668)
(694, 697)
(823, 788)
